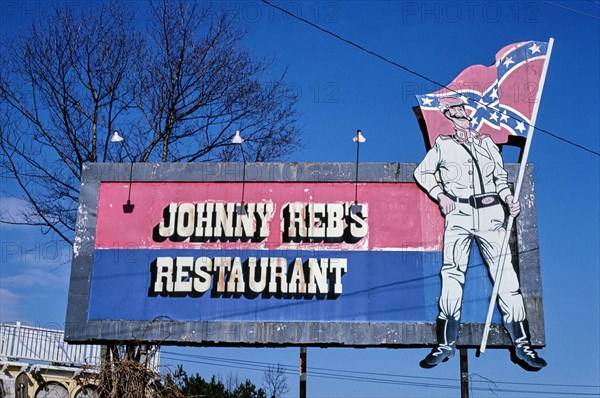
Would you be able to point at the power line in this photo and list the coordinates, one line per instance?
(252, 365)
(266, 364)
(376, 55)
(413, 72)
(371, 377)
(571, 9)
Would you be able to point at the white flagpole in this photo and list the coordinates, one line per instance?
(511, 219)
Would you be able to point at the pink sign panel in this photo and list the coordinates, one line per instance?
(397, 216)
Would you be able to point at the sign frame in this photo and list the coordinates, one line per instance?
(164, 331)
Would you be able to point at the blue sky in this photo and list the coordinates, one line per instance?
(343, 89)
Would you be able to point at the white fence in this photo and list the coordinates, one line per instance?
(20, 342)
(26, 343)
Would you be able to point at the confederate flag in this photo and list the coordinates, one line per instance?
(499, 98)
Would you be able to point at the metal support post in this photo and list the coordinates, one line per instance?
(464, 373)
(302, 372)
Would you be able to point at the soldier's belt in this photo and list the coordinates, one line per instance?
(478, 201)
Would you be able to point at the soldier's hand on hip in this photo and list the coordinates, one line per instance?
(446, 204)
(514, 208)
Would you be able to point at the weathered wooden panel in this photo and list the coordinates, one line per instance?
(333, 275)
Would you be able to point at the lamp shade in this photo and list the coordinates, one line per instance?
(359, 137)
(116, 137)
(237, 138)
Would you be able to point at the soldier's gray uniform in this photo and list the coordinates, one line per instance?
(449, 168)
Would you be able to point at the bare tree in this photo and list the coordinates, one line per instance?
(178, 92)
(63, 84)
(232, 381)
(198, 87)
(126, 373)
(275, 381)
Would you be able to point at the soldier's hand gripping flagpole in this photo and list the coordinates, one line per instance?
(510, 221)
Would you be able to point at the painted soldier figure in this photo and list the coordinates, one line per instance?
(465, 175)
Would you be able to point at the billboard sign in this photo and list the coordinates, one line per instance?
(289, 254)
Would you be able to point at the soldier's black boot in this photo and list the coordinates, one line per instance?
(447, 334)
(525, 355)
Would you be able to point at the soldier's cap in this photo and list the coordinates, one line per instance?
(445, 103)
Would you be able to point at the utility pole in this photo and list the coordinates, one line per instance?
(464, 373)
(302, 372)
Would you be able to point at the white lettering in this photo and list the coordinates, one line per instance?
(220, 221)
(183, 282)
(163, 279)
(166, 227)
(278, 268)
(317, 275)
(236, 278)
(202, 268)
(297, 282)
(265, 275)
(323, 222)
(260, 285)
